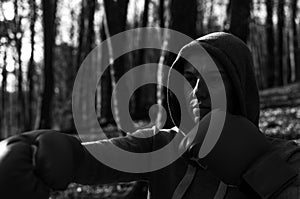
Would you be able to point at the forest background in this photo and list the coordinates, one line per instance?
(44, 42)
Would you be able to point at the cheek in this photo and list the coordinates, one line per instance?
(188, 93)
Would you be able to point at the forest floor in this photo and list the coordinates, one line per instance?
(276, 122)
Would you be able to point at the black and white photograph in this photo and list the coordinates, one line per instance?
(150, 99)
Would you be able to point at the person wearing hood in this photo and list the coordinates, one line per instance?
(240, 163)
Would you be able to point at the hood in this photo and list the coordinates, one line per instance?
(235, 58)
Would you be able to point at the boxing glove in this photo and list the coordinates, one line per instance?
(34, 163)
(240, 155)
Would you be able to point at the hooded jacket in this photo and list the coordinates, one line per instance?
(235, 57)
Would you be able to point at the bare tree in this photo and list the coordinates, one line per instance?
(280, 43)
(18, 36)
(226, 24)
(115, 22)
(183, 19)
(161, 13)
(3, 98)
(240, 18)
(91, 19)
(31, 66)
(210, 16)
(81, 37)
(141, 96)
(49, 15)
(86, 39)
(295, 38)
(106, 88)
(270, 43)
(86, 42)
(72, 72)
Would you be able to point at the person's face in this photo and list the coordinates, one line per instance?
(199, 98)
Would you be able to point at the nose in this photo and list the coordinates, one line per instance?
(195, 89)
(200, 90)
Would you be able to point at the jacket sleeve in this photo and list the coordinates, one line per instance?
(92, 171)
(291, 152)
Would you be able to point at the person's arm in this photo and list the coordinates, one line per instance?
(33, 163)
(241, 156)
(141, 141)
(92, 171)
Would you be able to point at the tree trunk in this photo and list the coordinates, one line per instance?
(161, 13)
(116, 15)
(289, 60)
(106, 116)
(210, 23)
(49, 15)
(71, 76)
(81, 34)
(91, 31)
(228, 17)
(4, 98)
(295, 39)
(86, 39)
(240, 18)
(86, 42)
(183, 19)
(141, 95)
(280, 28)
(18, 35)
(270, 44)
(31, 67)
(200, 25)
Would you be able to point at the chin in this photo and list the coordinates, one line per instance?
(196, 119)
(203, 112)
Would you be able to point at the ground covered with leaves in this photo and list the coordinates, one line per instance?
(281, 122)
(277, 122)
